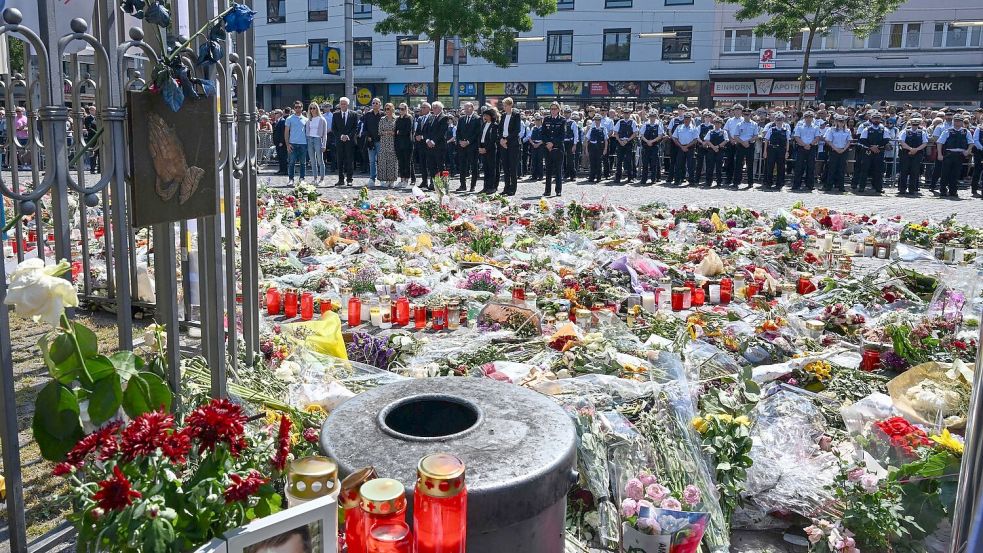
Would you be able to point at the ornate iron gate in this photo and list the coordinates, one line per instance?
(56, 182)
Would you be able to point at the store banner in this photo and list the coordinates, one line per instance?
(364, 94)
(463, 89)
(517, 89)
(623, 88)
(409, 89)
(545, 89)
(764, 88)
(569, 88)
(598, 89)
(920, 88)
(495, 89)
(332, 61)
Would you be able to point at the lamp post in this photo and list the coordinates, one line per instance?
(455, 85)
(349, 45)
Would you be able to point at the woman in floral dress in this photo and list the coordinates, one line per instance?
(387, 147)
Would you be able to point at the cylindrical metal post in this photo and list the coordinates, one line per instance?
(455, 92)
(349, 45)
(971, 470)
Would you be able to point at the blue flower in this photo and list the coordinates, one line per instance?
(134, 7)
(209, 53)
(158, 15)
(239, 19)
(777, 233)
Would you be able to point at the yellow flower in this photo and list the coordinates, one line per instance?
(700, 424)
(724, 417)
(820, 369)
(272, 418)
(315, 409)
(743, 420)
(948, 441)
(543, 206)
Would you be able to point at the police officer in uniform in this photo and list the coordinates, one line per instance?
(671, 148)
(743, 141)
(837, 138)
(597, 148)
(686, 137)
(536, 149)
(874, 138)
(706, 125)
(651, 134)
(977, 153)
(807, 135)
(730, 125)
(912, 143)
(954, 149)
(552, 135)
(571, 136)
(715, 141)
(625, 132)
(777, 139)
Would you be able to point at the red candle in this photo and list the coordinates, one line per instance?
(325, 306)
(679, 298)
(348, 497)
(307, 306)
(402, 312)
(439, 317)
(519, 292)
(870, 359)
(383, 501)
(726, 290)
(698, 297)
(805, 284)
(751, 290)
(272, 302)
(440, 505)
(354, 312)
(420, 316)
(390, 538)
(290, 304)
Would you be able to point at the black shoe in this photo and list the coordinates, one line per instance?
(461, 188)
(340, 183)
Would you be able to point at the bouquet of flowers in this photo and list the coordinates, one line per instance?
(482, 281)
(164, 484)
(657, 518)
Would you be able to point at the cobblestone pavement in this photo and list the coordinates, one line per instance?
(925, 206)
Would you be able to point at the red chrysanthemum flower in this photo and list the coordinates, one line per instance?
(115, 493)
(145, 434)
(310, 435)
(102, 440)
(176, 446)
(282, 444)
(242, 488)
(221, 421)
(62, 469)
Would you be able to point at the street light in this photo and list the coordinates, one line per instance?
(292, 46)
(414, 42)
(667, 34)
(967, 24)
(530, 38)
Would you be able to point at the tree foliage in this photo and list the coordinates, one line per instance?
(486, 29)
(15, 49)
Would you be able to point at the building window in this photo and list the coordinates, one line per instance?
(679, 2)
(741, 40)
(617, 3)
(362, 51)
(315, 52)
(904, 35)
(793, 45)
(462, 56)
(564, 4)
(617, 45)
(317, 10)
(947, 36)
(407, 54)
(276, 11)
(559, 46)
(276, 54)
(679, 47)
(828, 40)
(872, 42)
(363, 9)
(515, 50)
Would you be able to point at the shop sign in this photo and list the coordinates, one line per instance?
(332, 61)
(507, 89)
(463, 89)
(363, 96)
(762, 88)
(766, 58)
(409, 89)
(909, 88)
(562, 88)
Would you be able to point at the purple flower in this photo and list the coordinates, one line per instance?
(671, 503)
(893, 361)
(691, 495)
(634, 489)
(629, 507)
(647, 479)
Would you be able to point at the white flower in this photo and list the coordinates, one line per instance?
(37, 293)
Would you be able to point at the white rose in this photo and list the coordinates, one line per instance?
(36, 292)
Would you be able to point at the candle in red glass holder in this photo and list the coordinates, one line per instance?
(805, 284)
(519, 292)
(678, 297)
(325, 306)
(440, 505)
(354, 311)
(726, 290)
(870, 359)
(402, 312)
(751, 290)
(698, 297)
(392, 313)
(354, 517)
(420, 316)
(383, 501)
(390, 538)
(290, 303)
(307, 306)
(439, 317)
(77, 269)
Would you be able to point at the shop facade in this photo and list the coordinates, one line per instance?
(761, 91)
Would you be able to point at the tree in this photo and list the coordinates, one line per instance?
(15, 49)
(789, 17)
(486, 29)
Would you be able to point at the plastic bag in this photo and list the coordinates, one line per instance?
(325, 337)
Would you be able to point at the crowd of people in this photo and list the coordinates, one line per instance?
(869, 148)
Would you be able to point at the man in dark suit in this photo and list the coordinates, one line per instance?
(510, 129)
(419, 144)
(281, 147)
(344, 125)
(435, 138)
(468, 135)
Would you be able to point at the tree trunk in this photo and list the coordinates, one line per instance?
(436, 68)
(805, 68)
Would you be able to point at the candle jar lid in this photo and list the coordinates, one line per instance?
(805, 275)
(815, 325)
(352, 483)
(440, 475)
(312, 477)
(382, 496)
(680, 289)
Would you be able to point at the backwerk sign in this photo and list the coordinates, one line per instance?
(933, 88)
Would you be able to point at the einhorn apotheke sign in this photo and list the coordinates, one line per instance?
(932, 88)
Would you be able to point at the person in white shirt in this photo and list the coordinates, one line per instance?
(686, 137)
(837, 138)
(912, 143)
(730, 125)
(806, 136)
(955, 147)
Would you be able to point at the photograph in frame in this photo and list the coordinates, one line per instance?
(308, 528)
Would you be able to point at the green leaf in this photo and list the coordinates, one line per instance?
(59, 356)
(86, 339)
(127, 364)
(146, 392)
(98, 367)
(107, 395)
(723, 467)
(56, 423)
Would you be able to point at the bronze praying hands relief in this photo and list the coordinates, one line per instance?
(170, 164)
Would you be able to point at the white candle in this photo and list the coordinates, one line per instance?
(648, 301)
(715, 294)
(375, 315)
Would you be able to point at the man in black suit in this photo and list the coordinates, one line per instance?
(279, 126)
(419, 144)
(435, 138)
(344, 125)
(468, 135)
(510, 129)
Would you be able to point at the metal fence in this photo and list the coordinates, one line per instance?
(48, 184)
